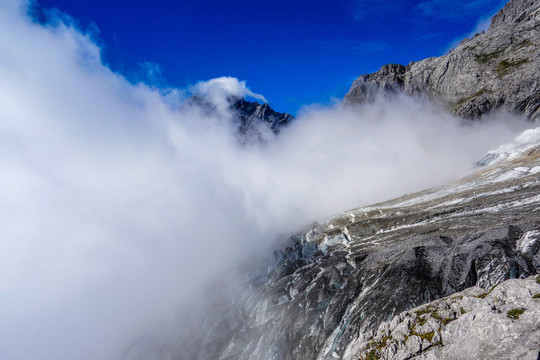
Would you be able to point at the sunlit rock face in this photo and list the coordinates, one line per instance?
(496, 69)
(500, 323)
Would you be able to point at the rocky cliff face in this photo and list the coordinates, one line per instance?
(251, 114)
(496, 69)
(501, 323)
(327, 293)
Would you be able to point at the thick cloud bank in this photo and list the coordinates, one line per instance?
(118, 201)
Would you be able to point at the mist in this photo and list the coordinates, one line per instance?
(120, 201)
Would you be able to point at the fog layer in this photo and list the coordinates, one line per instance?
(119, 201)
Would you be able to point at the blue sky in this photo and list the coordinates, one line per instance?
(293, 52)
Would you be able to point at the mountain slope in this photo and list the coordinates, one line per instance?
(502, 323)
(342, 279)
(496, 69)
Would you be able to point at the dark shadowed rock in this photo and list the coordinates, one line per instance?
(253, 113)
(254, 122)
(257, 122)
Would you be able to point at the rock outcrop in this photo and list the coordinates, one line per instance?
(496, 69)
(501, 323)
(251, 114)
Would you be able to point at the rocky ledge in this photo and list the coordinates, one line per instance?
(496, 69)
(501, 323)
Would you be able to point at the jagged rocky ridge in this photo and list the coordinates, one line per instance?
(251, 114)
(496, 69)
(253, 121)
(338, 282)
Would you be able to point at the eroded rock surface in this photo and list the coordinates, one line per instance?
(501, 323)
(496, 69)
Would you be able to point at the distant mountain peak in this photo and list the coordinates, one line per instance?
(255, 121)
(516, 11)
(253, 113)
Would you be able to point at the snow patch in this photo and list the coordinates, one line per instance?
(524, 142)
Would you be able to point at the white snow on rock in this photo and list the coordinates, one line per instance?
(526, 141)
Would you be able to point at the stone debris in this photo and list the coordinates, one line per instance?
(502, 323)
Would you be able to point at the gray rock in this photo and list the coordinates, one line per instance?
(496, 69)
(401, 331)
(252, 114)
(528, 245)
(413, 344)
(401, 355)
(485, 331)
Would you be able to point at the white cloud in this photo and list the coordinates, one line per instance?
(118, 204)
(218, 89)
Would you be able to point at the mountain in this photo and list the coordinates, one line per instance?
(337, 283)
(252, 113)
(501, 323)
(499, 68)
(446, 273)
(254, 122)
